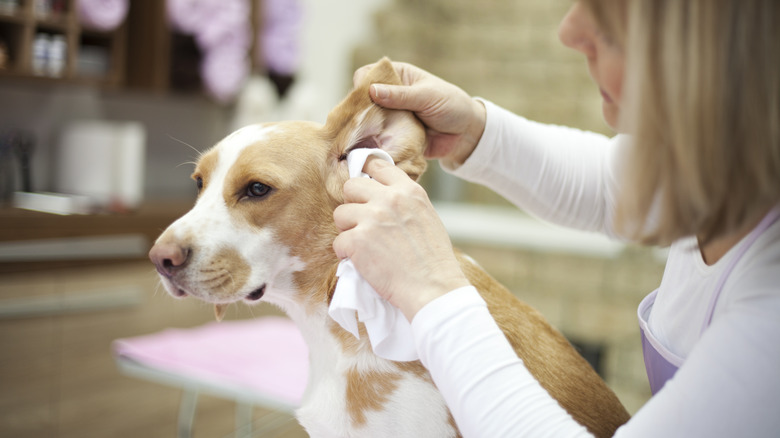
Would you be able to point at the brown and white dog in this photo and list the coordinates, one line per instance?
(262, 228)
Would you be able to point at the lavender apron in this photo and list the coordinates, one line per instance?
(660, 363)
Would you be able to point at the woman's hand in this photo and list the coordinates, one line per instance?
(391, 232)
(453, 120)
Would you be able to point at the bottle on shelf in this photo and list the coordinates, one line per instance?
(49, 55)
(40, 54)
(57, 52)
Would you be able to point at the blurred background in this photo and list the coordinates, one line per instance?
(105, 104)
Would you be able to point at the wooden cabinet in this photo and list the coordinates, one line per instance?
(48, 43)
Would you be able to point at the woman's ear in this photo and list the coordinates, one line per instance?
(357, 122)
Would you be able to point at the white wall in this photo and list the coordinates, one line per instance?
(331, 31)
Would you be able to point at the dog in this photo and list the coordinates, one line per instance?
(262, 229)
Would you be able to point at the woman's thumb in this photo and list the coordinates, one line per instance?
(398, 97)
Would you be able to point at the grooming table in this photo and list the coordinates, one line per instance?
(258, 362)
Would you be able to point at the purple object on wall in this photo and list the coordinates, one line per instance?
(278, 46)
(223, 33)
(102, 15)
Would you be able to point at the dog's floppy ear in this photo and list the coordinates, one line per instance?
(357, 122)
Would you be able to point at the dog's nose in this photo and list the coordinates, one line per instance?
(168, 257)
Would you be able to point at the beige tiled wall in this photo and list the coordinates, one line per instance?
(503, 50)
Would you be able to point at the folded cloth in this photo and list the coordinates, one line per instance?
(354, 299)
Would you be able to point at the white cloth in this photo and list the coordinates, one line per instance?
(729, 384)
(354, 299)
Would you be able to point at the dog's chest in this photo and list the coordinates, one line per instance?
(414, 409)
(370, 398)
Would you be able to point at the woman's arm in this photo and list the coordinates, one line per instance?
(486, 386)
(562, 175)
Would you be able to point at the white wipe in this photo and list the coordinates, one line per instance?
(355, 300)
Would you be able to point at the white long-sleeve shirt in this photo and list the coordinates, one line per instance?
(729, 384)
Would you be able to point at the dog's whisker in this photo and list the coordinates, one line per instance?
(228, 279)
(158, 284)
(157, 288)
(223, 284)
(230, 276)
(217, 281)
(191, 163)
(208, 279)
(185, 144)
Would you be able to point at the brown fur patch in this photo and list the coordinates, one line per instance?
(368, 391)
(225, 273)
(349, 344)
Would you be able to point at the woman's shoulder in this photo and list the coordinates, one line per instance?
(756, 277)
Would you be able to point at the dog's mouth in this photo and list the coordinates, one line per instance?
(256, 294)
(219, 308)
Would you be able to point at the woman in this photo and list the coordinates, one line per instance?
(693, 88)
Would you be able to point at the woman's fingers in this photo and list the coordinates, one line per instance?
(342, 245)
(360, 190)
(345, 216)
(383, 172)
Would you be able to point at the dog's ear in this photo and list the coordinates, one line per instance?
(357, 122)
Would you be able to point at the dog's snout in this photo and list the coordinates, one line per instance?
(168, 257)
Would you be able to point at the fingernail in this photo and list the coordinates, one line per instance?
(380, 92)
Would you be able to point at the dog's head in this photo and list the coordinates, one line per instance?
(263, 221)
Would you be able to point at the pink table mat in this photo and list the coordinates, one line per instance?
(266, 354)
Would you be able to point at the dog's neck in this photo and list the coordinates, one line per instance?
(308, 306)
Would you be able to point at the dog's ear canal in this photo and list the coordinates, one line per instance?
(357, 122)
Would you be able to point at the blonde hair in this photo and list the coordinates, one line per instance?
(702, 102)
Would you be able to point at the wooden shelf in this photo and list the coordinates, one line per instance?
(16, 18)
(150, 219)
(19, 32)
(21, 225)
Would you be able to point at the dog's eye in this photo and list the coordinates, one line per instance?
(257, 190)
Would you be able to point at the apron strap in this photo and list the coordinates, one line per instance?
(765, 223)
